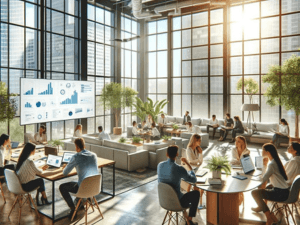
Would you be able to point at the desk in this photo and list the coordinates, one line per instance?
(59, 176)
(177, 132)
(222, 200)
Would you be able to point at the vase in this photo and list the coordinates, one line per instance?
(216, 174)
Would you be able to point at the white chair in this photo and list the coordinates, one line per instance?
(2, 192)
(169, 200)
(89, 187)
(15, 187)
(292, 199)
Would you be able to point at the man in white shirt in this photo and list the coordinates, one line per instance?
(155, 132)
(213, 123)
(102, 134)
(162, 120)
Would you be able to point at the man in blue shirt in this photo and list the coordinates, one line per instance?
(102, 134)
(171, 173)
(85, 163)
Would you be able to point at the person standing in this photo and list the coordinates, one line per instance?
(213, 123)
(162, 121)
(102, 134)
(229, 126)
(237, 128)
(283, 135)
(186, 118)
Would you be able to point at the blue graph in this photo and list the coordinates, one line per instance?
(30, 92)
(72, 100)
(49, 91)
(78, 110)
(28, 105)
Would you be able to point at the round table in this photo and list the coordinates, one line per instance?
(222, 201)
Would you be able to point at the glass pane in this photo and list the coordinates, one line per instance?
(152, 85)
(4, 45)
(16, 131)
(251, 11)
(200, 85)
(251, 29)
(236, 30)
(216, 85)
(127, 63)
(176, 105)
(4, 10)
(200, 52)
(186, 53)
(70, 54)
(290, 118)
(176, 23)
(58, 53)
(216, 34)
(235, 65)
(99, 15)
(31, 49)
(91, 12)
(235, 105)
(100, 59)
(200, 19)
(162, 41)
(177, 39)
(176, 88)
(216, 67)
(162, 86)
(290, 6)
(200, 67)
(270, 45)
(162, 64)
(176, 63)
(90, 125)
(186, 68)
(151, 27)
(251, 47)
(200, 36)
(270, 7)
(58, 130)
(187, 104)
(14, 81)
(268, 113)
(200, 106)
(70, 126)
(91, 31)
(236, 48)
(152, 64)
(216, 51)
(251, 64)
(290, 24)
(91, 58)
(186, 85)
(216, 16)
(233, 84)
(268, 60)
(216, 105)
(290, 43)
(236, 13)
(108, 124)
(162, 26)
(152, 43)
(270, 27)
(31, 15)
(16, 46)
(186, 38)
(16, 12)
(186, 21)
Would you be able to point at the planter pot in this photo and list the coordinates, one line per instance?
(216, 174)
(117, 130)
(165, 140)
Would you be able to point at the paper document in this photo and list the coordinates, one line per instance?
(15, 154)
(259, 162)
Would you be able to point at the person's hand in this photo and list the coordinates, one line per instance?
(45, 167)
(64, 166)
(184, 160)
(200, 149)
(265, 161)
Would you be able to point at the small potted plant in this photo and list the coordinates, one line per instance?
(218, 163)
(166, 138)
(136, 140)
(56, 144)
(175, 126)
(122, 140)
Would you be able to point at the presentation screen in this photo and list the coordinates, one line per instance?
(53, 100)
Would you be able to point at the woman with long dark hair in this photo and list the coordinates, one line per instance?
(41, 136)
(26, 171)
(283, 135)
(5, 148)
(279, 191)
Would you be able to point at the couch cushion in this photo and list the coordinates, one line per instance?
(179, 120)
(264, 135)
(265, 127)
(171, 119)
(120, 146)
(103, 152)
(153, 147)
(204, 122)
(197, 129)
(221, 122)
(92, 140)
(196, 121)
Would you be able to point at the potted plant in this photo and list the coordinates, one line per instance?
(116, 97)
(56, 144)
(145, 108)
(166, 138)
(175, 126)
(136, 140)
(218, 163)
(122, 140)
(284, 87)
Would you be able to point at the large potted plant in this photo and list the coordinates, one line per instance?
(217, 164)
(145, 108)
(284, 87)
(8, 105)
(116, 97)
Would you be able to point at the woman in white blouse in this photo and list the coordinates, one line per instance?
(5, 149)
(26, 171)
(78, 131)
(41, 136)
(189, 126)
(135, 130)
(239, 151)
(279, 191)
(292, 167)
(155, 132)
(194, 151)
(283, 135)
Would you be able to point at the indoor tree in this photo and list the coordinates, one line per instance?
(8, 107)
(284, 87)
(250, 87)
(116, 97)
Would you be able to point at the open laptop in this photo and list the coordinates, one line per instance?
(67, 157)
(15, 144)
(54, 161)
(248, 167)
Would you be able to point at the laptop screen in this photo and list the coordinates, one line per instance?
(247, 164)
(67, 157)
(14, 144)
(54, 160)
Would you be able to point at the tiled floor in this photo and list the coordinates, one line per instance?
(138, 206)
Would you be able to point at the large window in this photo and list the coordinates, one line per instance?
(197, 65)
(129, 66)
(157, 40)
(100, 37)
(261, 34)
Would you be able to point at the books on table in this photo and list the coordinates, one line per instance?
(213, 181)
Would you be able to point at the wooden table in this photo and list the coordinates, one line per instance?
(143, 134)
(59, 176)
(223, 200)
(176, 132)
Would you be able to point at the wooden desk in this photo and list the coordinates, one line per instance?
(59, 176)
(223, 200)
(176, 132)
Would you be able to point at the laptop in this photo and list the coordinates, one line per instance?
(67, 157)
(248, 167)
(15, 144)
(54, 161)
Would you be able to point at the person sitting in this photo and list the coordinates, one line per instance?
(5, 149)
(143, 125)
(229, 126)
(155, 133)
(135, 131)
(78, 131)
(186, 118)
(283, 135)
(86, 165)
(189, 126)
(102, 134)
(292, 167)
(41, 136)
(171, 173)
(149, 121)
(162, 121)
(26, 171)
(214, 123)
(239, 151)
(237, 128)
(276, 174)
(194, 151)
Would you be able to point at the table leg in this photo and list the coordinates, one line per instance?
(229, 209)
(53, 201)
(114, 180)
(102, 179)
(212, 208)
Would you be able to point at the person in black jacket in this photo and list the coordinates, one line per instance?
(237, 128)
